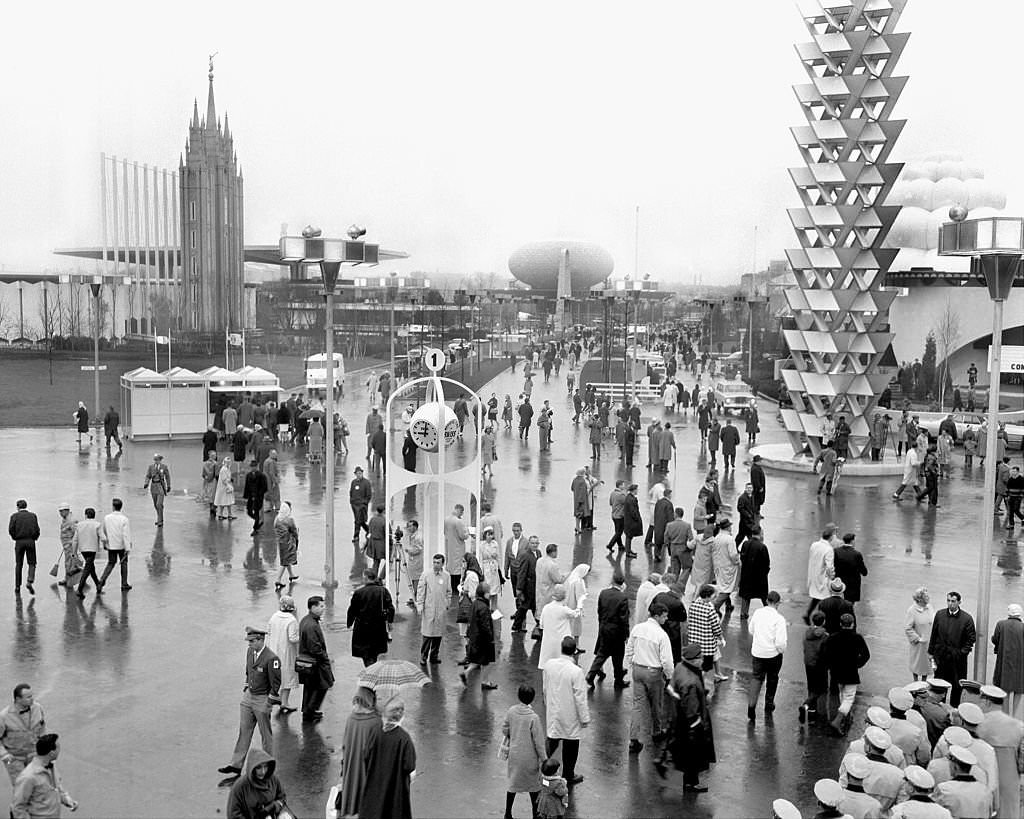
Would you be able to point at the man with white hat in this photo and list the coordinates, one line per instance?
(784, 809)
(829, 795)
(908, 737)
(878, 718)
(919, 804)
(941, 768)
(883, 780)
(855, 801)
(971, 716)
(963, 795)
(1006, 736)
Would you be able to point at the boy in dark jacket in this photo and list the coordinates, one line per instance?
(257, 793)
(815, 668)
(845, 653)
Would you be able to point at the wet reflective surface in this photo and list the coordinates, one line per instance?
(144, 687)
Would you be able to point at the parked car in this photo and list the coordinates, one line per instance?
(1014, 424)
(734, 397)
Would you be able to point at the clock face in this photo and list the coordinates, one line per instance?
(424, 434)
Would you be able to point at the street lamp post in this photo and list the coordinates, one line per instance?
(331, 254)
(392, 295)
(995, 246)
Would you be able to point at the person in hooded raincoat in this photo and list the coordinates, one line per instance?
(257, 793)
(575, 591)
(390, 768)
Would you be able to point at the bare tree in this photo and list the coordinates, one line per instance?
(6, 316)
(947, 335)
(49, 317)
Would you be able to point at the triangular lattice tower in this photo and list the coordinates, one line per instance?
(840, 307)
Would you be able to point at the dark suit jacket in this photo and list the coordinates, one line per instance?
(369, 612)
(632, 522)
(312, 642)
(674, 625)
(664, 514)
(612, 616)
(850, 569)
(24, 528)
(757, 479)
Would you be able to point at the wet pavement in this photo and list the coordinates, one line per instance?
(143, 686)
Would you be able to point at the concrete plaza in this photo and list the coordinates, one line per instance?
(143, 687)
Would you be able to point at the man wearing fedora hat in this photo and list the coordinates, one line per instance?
(158, 481)
(261, 690)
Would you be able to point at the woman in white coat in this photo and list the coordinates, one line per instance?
(575, 591)
(283, 640)
(224, 497)
(556, 622)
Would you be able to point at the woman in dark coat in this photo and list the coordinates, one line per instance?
(480, 638)
(369, 613)
(693, 739)
(409, 449)
(633, 525)
(755, 564)
(390, 768)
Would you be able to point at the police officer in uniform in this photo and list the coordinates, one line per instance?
(970, 717)
(158, 482)
(829, 794)
(884, 779)
(932, 706)
(919, 805)
(940, 767)
(908, 737)
(855, 801)
(1006, 735)
(262, 684)
(963, 795)
(877, 717)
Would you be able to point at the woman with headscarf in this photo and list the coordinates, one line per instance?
(575, 591)
(487, 451)
(390, 768)
(506, 412)
(270, 469)
(362, 729)
(556, 623)
(918, 628)
(210, 468)
(409, 450)
(316, 437)
(480, 639)
(287, 544)
(283, 640)
(224, 497)
(472, 574)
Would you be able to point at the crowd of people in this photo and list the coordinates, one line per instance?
(944, 743)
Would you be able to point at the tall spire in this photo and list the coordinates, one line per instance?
(195, 113)
(211, 109)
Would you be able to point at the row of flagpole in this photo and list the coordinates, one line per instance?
(230, 340)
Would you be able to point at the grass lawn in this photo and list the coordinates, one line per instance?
(35, 392)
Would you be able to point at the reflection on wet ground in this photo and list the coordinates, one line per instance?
(144, 687)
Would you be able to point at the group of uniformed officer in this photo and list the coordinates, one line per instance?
(924, 759)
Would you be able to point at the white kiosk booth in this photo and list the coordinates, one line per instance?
(180, 403)
(163, 405)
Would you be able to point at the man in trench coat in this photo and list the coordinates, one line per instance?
(433, 597)
(693, 739)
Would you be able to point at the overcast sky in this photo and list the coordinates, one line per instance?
(457, 131)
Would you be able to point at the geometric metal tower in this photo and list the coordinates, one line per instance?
(839, 304)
